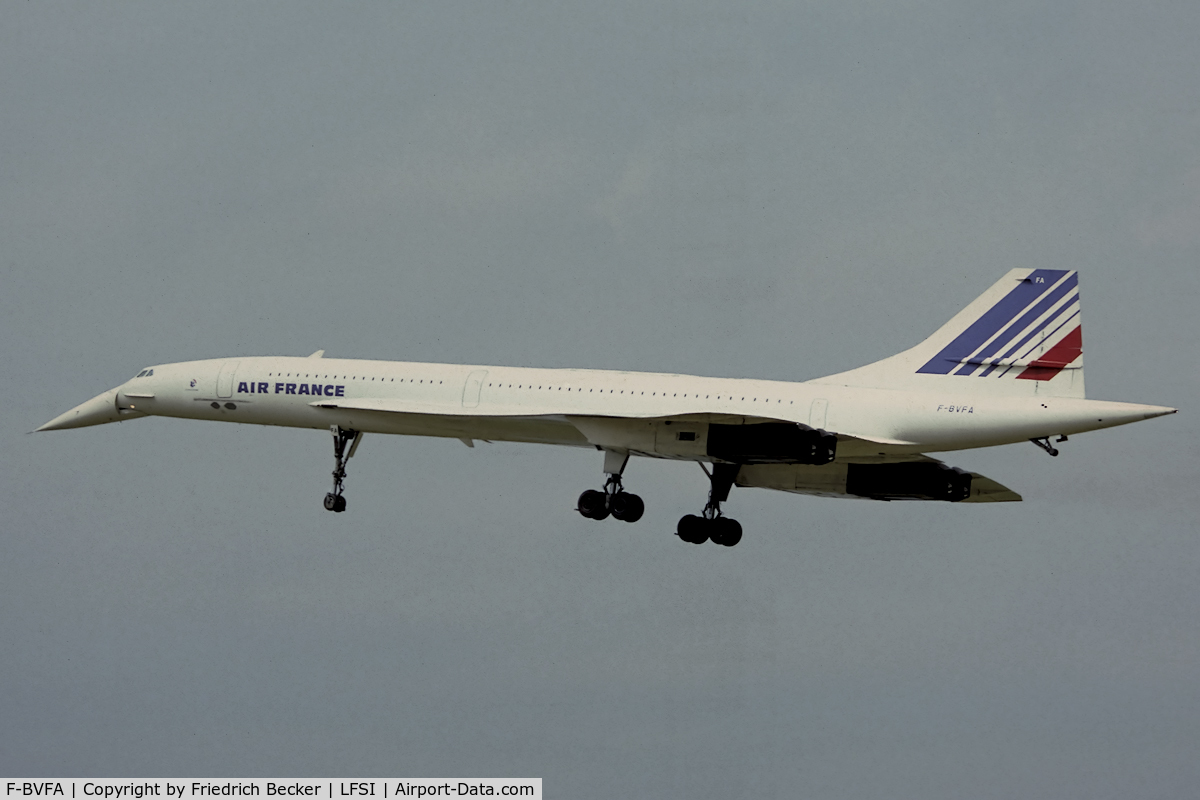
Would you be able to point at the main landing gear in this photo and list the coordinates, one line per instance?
(341, 437)
(614, 499)
(712, 525)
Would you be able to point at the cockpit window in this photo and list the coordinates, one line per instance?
(141, 374)
(149, 372)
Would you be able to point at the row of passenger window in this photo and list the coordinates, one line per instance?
(355, 378)
(631, 392)
(521, 386)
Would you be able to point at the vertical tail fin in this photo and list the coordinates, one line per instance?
(1023, 336)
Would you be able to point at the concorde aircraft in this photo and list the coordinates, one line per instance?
(1008, 368)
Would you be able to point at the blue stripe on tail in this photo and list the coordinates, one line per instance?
(995, 318)
(1026, 320)
(1072, 306)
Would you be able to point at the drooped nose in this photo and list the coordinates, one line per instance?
(99, 410)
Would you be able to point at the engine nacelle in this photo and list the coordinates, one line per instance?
(910, 480)
(771, 443)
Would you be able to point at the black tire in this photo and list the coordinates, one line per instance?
(330, 501)
(618, 504)
(341, 504)
(627, 507)
(692, 529)
(727, 532)
(592, 504)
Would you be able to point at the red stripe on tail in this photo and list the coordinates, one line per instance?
(1059, 356)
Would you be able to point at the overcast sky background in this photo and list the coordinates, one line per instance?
(774, 190)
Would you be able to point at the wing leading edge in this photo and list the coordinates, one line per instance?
(896, 473)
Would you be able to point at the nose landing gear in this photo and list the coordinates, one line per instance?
(334, 501)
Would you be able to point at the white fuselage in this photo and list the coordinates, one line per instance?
(1005, 369)
(590, 408)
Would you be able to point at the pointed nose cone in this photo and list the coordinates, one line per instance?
(100, 409)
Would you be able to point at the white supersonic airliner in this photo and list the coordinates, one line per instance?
(1008, 368)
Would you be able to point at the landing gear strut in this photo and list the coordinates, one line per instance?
(1044, 443)
(713, 525)
(614, 499)
(334, 501)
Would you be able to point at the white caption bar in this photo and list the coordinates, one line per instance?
(324, 788)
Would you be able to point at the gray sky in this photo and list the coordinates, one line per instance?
(768, 190)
